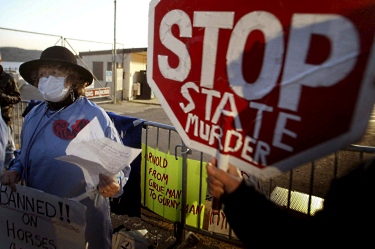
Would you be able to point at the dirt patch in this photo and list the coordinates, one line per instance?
(162, 230)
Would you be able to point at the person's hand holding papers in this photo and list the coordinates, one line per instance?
(108, 186)
(99, 157)
(11, 178)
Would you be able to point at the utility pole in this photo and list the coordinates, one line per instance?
(114, 68)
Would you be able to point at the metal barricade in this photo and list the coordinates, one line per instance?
(300, 190)
(17, 121)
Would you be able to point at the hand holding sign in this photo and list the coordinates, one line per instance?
(294, 80)
(30, 218)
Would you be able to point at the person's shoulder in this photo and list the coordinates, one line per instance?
(6, 76)
(36, 106)
(90, 107)
(33, 110)
(89, 104)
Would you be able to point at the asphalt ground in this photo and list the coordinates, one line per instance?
(149, 110)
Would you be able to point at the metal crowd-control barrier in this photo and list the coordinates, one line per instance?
(300, 190)
(17, 121)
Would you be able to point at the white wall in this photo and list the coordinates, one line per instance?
(138, 63)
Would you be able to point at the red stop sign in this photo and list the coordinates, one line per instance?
(270, 84)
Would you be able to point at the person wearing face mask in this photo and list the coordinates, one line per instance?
(48, 129)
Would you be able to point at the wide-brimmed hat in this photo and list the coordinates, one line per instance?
(54, 55)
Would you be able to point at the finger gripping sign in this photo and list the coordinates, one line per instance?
(30, 218)
(270, 84)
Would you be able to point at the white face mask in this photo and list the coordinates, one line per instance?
(52, 88)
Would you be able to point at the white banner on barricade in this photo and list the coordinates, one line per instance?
(30, 218)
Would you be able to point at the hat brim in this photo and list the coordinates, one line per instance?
(27, 68)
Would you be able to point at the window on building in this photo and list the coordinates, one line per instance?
(98, 69)
(109, 66)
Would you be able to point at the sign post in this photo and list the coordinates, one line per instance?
(270, 84)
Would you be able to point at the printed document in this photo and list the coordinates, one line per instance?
(97, 154)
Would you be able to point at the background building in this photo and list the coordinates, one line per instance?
(131, 66)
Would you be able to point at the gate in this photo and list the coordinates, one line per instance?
(300, 190)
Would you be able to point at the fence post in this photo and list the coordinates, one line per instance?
(180, 226)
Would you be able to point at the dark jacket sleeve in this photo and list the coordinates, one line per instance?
(258, 222)
(347, 216)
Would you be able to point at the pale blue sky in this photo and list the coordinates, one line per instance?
(91, 20)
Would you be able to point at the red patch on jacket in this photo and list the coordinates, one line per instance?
(61, 128)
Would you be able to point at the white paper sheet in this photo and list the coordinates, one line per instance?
(97, 154)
